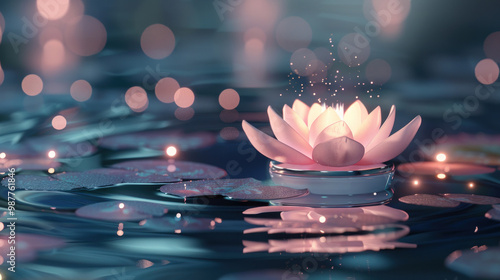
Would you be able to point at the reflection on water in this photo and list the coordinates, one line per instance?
(342, 229)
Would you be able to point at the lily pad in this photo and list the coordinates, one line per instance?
(429, 200)
(40, 183)
(248, 188)
(173, 168)
(473, 198)
(121, 211)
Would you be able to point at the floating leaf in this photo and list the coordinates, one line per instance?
(40, 183)
(473, 198)
(479, 262)
(428, 200)
(176, 169)
(248, 188)
(121, 211)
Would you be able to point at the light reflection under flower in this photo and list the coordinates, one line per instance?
(379, 221)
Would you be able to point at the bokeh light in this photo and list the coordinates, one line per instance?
(3, 155)
(51, 154)
(184, 114)
(157, 41)
(378, 71)
(2, 75)
(184, 97)
(354, 49)
(165, 89)
(85, 35)
(51, 170)
(59, 122)
(32, 85)
(81, 90)
(53, 56)
(303, 61)
(492, 46)
(171, 151)
(487, 71)
(293, 33)
(52, 9)
(137, 99)
(229, 99)
(441, 157)
(441, 176)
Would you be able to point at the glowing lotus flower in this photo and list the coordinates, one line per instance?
(329, 137)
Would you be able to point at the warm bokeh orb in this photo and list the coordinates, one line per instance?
(137, 99)
(165, 89)
(492, 46)
(487, 71)
(85, 35)
(81, 90)
(157, 41)
(32, 85)
(171, 151)
(59, 122)
(52, 9)
(229, 99)
(302, 62)
(354, 49)
(184, 97)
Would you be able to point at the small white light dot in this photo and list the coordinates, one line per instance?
(51, 154)
(441, 157)
(2, 155)
(171, 151)
(121, 205)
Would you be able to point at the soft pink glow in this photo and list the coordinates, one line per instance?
(487, 71)
(293, 33)
(492, 46)
(32, 85)
(85, 35)
(52, 9)
(137, 99)
(378, 71)
(2, 26)
(327, 140)
(81, 90)
(229, 99)
(303, 62)
(184, 114)
(157, 41)
(354, 49)
(165, 89)
(184, 97)
(53, 56)
(59, 122)
(2, 75)
(432, 168)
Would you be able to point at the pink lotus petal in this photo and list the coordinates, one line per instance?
(301, 108)
(385, 130)
(272, 148)
(286, 134)
(296, 122)
(319, 167)
(314, 112)
(369, 127)
(325, 119)
(453, 169)
(429, 200)
(335, 130)
(394, 145)
(340, 151)
(355, 115)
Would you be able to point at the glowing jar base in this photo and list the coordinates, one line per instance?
(336, 187)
